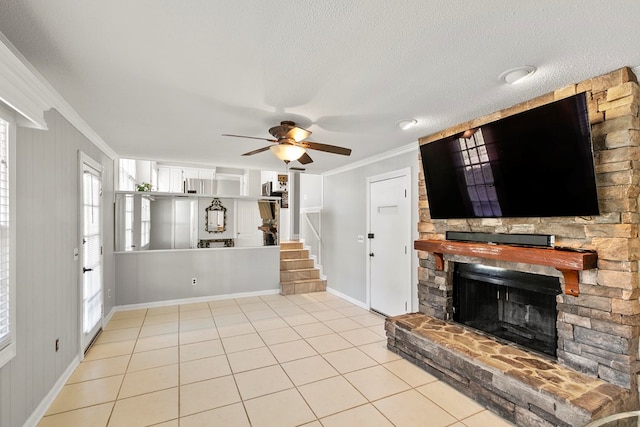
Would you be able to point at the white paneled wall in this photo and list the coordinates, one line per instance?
(47, 275)
(152, 276)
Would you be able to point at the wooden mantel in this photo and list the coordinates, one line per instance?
(568, 262)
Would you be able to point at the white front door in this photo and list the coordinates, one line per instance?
(389, 243)
(91, 254)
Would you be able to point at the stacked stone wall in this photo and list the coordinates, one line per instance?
(599, 330)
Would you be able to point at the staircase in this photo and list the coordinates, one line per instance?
(297, 272)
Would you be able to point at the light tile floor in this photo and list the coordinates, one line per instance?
(312, 360)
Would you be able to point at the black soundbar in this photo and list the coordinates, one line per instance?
(545, 240)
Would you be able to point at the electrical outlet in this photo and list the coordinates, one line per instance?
(194, 281)
(57, 344)
(108, 293)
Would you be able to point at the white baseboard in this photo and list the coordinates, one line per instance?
(348, 298)
(42, 408)
(108, 316)
(195, 299)
(39, 412)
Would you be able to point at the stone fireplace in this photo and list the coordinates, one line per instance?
(594, 371)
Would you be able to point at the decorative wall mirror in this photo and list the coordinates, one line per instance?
(215, 217)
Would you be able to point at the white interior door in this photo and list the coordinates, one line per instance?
(92, 298)
(247, 232)
(389, 243)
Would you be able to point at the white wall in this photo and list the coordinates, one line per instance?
(344, 217)
(228, 187)
(310, 196)
(47, 276)
(310, 191)
(251, 183)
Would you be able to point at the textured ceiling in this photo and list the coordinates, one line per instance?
(162, 79)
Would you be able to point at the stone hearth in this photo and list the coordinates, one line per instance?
(521, 386)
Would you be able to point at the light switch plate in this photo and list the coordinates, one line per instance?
(360, 238)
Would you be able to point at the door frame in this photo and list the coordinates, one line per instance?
(85, 160)
(400, 173)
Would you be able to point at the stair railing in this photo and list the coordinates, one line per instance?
(311, 231)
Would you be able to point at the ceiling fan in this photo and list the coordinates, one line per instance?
(291, 145)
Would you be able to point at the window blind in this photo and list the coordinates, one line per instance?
(5, 296)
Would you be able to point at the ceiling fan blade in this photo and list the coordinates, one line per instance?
(305, 159)
(259, 150)
(297, 169)
(250, 137)
(334, 149)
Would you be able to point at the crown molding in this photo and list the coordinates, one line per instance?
(18, 91)
(23, 89)
(408, 148)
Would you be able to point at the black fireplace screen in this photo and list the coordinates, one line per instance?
(511, 305)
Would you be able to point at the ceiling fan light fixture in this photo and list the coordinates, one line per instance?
(407, 124)
(298, 134)
(287, 152)
(517, 75)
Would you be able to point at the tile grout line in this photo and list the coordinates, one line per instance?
(248, 320)
(235, 382)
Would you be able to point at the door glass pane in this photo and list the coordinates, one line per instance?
(91, 251)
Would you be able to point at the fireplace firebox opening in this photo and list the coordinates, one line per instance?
(510, 305)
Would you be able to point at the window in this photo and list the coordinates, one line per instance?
(145, 222)
(478, 175)
(7, 282)
(127, 182)
(91, 249)
(127, 175)
(128, 223)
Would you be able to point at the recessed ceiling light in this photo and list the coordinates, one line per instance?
(407, 124)
(516, 75)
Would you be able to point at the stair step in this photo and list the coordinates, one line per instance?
(288, 276)
(303, 287)
(296, 264)
(298, 274)
(291, 245)
(294, 253)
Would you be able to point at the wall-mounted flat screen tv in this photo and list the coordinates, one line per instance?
(538, 163)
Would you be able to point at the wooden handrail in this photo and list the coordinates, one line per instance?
(568, 262)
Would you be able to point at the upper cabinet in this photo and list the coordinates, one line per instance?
(167, 177)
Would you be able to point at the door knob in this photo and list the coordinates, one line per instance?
(371, 254)
(84, 270)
